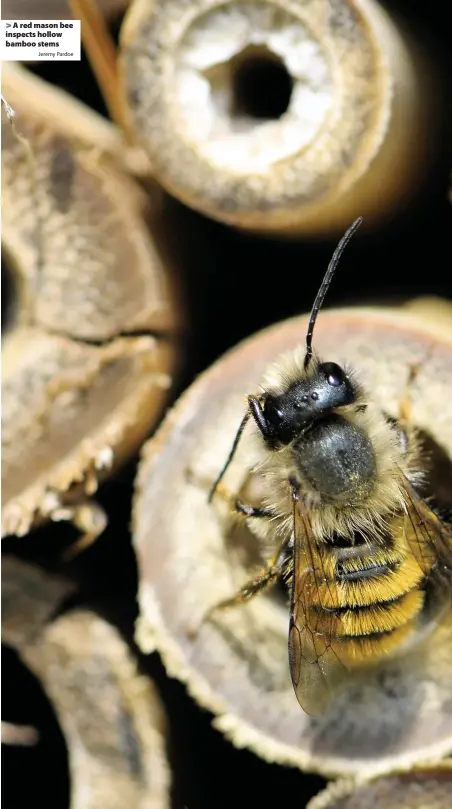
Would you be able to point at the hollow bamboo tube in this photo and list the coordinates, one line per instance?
(87, 352)
(111, 716)
(278, 116)
(191, 556)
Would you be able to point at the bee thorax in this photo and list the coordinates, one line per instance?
(337, 459)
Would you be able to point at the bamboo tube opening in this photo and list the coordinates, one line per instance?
(261, 85)
(248, 105)
(192, 555)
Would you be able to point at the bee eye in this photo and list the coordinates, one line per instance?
(335, 375)
(272, 412)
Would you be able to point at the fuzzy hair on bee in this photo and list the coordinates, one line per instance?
(368, 562)
(373, 485)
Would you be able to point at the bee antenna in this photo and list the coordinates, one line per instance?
(325, 284)
(235, 444)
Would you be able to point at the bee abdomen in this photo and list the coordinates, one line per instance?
(364, 581)
(367, 604)
(368, 634)
(365, 601)
(375, 619)
(372, 648)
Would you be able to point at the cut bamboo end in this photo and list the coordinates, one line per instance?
(72, 217)
(111, 717)
(190, 557)
(427, 786)
(84, 377)
(276, 116)
(71, 413)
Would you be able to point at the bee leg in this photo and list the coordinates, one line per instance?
(263, 580)
(274, 571)
(234, 502)
(246, 509)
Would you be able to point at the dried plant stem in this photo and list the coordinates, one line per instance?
(101, 51)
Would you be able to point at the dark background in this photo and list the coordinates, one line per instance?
(226, 301)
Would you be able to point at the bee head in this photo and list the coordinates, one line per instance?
(281, 417)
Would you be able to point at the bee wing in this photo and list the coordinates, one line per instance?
(429, 537)
(315, 668)
(315, 663)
